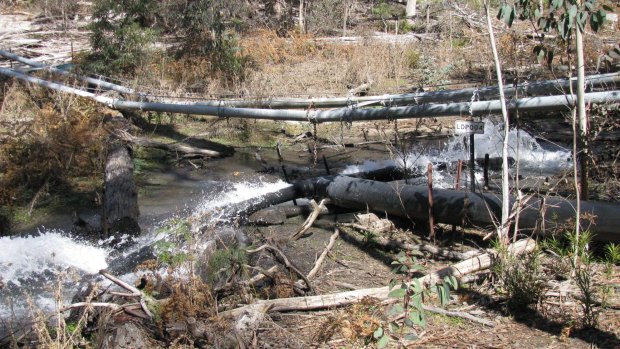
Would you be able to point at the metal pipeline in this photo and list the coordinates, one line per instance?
(95, 82)
(560, 102)
(458, 207)
(548, 87)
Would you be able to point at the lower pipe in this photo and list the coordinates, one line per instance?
(461, 208)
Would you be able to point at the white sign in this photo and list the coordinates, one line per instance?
(468, 127)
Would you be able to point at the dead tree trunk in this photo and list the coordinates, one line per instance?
(120, 209)
(411, 10)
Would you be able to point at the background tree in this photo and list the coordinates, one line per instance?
(122, 32)
(411, 10)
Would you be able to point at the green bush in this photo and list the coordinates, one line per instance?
(386, 10)
(122, 35)
(209, 28)
(412, 59)
(521, 277)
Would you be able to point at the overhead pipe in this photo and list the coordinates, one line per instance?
(391, 100)
(349, 115)
(479, 108)
(547, 87)
(95, 82)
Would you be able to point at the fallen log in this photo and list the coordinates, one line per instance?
(345, 298)
(278, 214)
(171, 147)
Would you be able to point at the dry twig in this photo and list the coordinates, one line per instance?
(319, 261)
(313, 216)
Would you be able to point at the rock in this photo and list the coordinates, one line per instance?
(5, 225)
(267, 217)
(128, 335)
(372, 222)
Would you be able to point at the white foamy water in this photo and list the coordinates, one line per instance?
(22, 257)
(368, 166)
(235, 193)
(531, 154)
(534, 159)
(33, 264)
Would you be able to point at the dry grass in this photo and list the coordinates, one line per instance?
(36, 149)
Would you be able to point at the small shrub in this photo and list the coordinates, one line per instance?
(413, 58)
(522, 278)
(226, 263)
(404, 286)
(583, 277)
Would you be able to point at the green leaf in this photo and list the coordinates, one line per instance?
(397, 293)
(445, 295)
(416, 318)
(407, 321)
(537, 14)
(417, 287)
(549, 58)
(411, 337)
(564, 28)
(396, 309)
(417, 267)
(378, 333)
(443, 291)
(394, 327)
(510, 16)
(383, 342)
(542, 23)
(506, 13)
(582, 19)
(602, 16)
(594, 22)
(416, 301)
(572, 13)
(454, 282)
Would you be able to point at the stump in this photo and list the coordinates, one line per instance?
(120, 209)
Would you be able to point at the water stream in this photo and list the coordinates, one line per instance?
(31, 265)
(535, 159)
